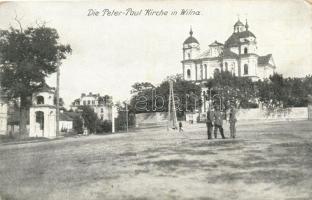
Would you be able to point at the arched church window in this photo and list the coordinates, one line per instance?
(245, 50)
(245, 69)
(188, 73)
(226, 66)
(40, 100)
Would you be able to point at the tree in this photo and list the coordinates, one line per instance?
(78, 124)
(61, 101)
(240, 91)
(155, 99)
(90, 118)
(274, 92)
(103, 126)
(27, 57)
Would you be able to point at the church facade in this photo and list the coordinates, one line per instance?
(238, 55)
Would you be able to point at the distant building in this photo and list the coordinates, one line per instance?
(102, 105)
(238, 55)
(66, 122)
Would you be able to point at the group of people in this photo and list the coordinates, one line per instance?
(215, 119)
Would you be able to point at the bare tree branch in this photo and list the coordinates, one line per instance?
(19, 22)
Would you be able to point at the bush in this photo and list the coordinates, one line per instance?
(77, 125)
(103, 126)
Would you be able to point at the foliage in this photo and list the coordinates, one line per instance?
(273, 93)
(155, 99)
(121, 120)
(61, 101)
(27, 57)
(103, 126)
(105, 100)
(231, 90)
(278, 92)
(89, 118)
(78, 124)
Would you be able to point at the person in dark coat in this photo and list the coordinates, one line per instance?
(180, 127)
(209, 121)
(232, 120)
(218, 123)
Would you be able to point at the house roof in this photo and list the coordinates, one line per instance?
(65, 117)
(264, 60)
(234, 39)
(73, 114)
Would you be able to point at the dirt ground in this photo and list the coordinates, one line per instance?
(271, 160)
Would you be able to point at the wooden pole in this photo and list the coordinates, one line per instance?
(57, 99)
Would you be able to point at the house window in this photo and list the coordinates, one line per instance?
(245, 50)
(226, 66)
(102, 117)
(102, 110)
(84, 102)
(245, 69)
(189, 55)
(205, 71)
(188, 73)
(92, 102)
(89, 102)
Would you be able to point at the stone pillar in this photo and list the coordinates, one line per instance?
(309, 107)
(310, 112)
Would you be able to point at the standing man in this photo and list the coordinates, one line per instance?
(232, 120)
(218, 123)
(209, 121)
(180, 127)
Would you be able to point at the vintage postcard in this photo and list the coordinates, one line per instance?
(196, 99)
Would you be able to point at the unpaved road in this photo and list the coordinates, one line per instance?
(267, 161)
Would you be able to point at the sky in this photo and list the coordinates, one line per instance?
(111, 53)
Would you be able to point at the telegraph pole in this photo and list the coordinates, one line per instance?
(127, 117)
(171, 108)
(57, 99)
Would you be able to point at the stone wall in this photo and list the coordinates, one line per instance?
(259, 114)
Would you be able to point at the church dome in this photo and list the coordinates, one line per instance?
(239, 23)
(234, 39)
(191, 39)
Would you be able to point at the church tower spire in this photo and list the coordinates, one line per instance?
(191, 32)
(246, 25)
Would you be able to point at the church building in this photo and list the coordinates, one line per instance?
(238, 55)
